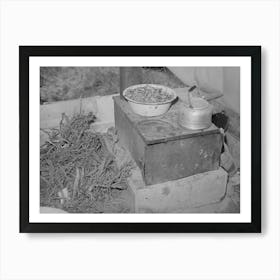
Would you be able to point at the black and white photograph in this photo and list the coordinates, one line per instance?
(140, 139)
(127, 138)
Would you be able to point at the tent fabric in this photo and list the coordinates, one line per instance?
(223, 80)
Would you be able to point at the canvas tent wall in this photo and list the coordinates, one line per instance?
(225, 80)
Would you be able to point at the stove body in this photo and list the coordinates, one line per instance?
(163, 149)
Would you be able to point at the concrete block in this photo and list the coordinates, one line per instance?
(181, 195)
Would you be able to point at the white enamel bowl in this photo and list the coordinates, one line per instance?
(150, 109)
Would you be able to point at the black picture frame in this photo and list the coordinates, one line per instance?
(25, 52)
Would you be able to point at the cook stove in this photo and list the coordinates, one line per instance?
(162, 148)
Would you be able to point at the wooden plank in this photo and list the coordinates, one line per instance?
(101, 106)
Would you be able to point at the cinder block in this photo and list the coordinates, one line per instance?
(178, 195)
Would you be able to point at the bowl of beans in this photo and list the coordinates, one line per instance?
(149, 99)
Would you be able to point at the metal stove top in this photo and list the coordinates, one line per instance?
(161, 128)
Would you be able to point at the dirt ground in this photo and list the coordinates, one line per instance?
(64, 83)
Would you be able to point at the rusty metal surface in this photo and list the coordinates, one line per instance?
(162, 149)
(181, 158)
(170, 128)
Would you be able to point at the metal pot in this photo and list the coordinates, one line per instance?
(198, 115)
